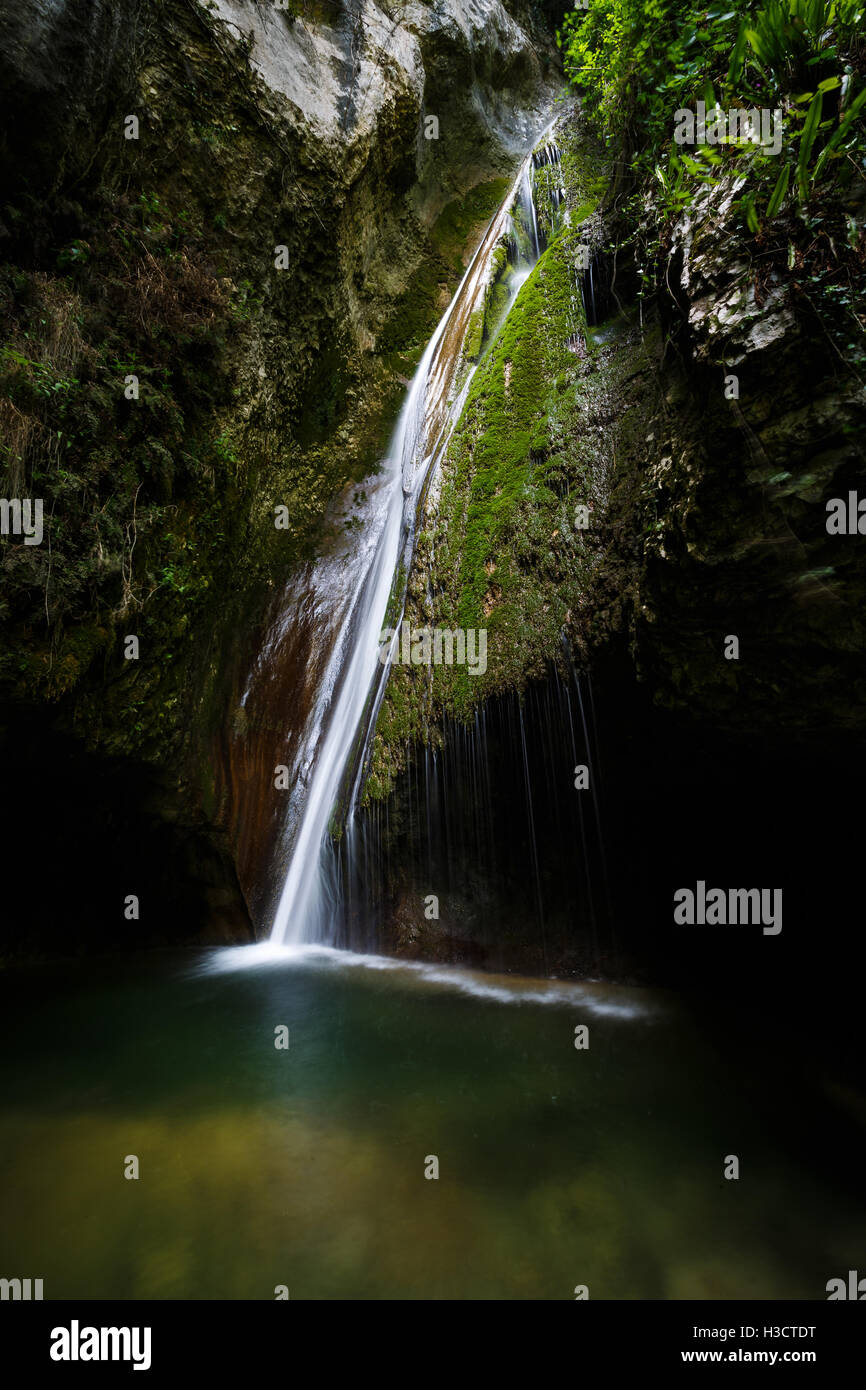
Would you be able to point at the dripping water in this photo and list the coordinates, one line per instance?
(342, 601)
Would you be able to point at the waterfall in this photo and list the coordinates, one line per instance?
(527, 198)
(341, 601)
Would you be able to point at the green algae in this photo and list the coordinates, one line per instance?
(504, 549)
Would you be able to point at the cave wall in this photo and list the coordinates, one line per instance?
(258, 127)
(304, 126)
(707, 518)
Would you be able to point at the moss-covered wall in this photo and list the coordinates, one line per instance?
(705, 427)
(504, 545)
(706, 499)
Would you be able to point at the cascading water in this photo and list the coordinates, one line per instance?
(346, 595)
(528, 198)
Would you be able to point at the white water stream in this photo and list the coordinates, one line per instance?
(347, 593)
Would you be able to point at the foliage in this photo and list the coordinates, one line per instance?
(127, 484)
(637, 62)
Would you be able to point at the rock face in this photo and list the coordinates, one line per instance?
(705, 434)
(762, 421)
(471, 66)
(704, 437)
(267, 260)
(62, 60)
(363, 149)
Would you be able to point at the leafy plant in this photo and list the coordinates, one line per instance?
(636, 62)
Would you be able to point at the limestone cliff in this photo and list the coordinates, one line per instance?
(227, 230)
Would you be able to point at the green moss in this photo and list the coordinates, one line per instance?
(440, 267)
(474, 335)
(507, 553)
(453, 228)
(405, 334)
(254, 392)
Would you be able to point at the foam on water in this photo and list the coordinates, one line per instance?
(601, 1000)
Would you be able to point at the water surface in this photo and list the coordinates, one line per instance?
(305, 1166)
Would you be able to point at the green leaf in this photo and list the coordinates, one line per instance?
(807, 140)
(758, 44)
(748, 206)
(735, 67)
(817, 17)
(839, 134)
(777, 197)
